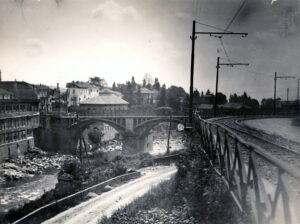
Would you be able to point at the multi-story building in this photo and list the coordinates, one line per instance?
(80, 91)
(44, 94)
(19, 116)
(149, 96)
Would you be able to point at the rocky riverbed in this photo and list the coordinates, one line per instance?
(26, 179)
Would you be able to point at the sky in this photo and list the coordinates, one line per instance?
(58, 41)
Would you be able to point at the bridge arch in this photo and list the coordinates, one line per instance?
(143, 128)
(83, 124)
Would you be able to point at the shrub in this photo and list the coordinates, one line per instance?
(74, 168)
(119, 168)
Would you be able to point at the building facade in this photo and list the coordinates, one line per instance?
(80, 91)
(149, 96)
(19, 116)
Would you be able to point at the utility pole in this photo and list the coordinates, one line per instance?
(297, 103)
(275, 80)
(168, 142)
(193, 38)
(217, 81)
(274, 100)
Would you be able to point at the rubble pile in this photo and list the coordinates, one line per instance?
(33, 163)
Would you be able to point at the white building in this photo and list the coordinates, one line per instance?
(80, 91)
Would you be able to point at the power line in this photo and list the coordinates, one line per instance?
(214, 27)
(224, 49)
(235, 15)
(254, 72)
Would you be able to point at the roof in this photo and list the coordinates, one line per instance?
(82, 85)
(107, 91)
(234, 106)
(104, 99)
(148, 91)
(205, 106)
(41, 87)
(21, 90)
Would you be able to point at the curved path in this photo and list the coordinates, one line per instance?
(94, 209)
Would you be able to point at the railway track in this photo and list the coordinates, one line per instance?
(286, 151)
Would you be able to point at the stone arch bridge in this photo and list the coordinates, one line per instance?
(62, 133)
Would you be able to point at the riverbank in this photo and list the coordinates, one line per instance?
(27, 179)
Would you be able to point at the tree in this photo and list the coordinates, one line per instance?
(207, 92)
(133, 83)
(222, 99)
(114, 88)
(148, 79)
(175, 95)
(95, 136)
(128, 92)
(97, 81)
(162, 96)
(138, 95)
(196, 99)
(156, 84)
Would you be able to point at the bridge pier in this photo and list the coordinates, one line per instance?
(133, 143)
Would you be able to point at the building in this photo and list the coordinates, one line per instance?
(149, 96)
(80, 91)
(103, 104)
(44, 94)
(19, 117)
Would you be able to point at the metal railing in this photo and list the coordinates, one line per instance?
(243, 166)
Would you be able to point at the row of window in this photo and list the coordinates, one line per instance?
(15, 136)
(11, 123)
(12, 108)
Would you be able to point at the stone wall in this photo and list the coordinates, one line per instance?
(15, 149)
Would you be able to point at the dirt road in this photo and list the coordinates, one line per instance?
(94, 209)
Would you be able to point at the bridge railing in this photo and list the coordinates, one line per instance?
(256, 179)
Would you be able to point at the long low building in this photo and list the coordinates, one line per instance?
(103, 104)
(19, 116)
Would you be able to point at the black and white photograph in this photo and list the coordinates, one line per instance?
(149, 111)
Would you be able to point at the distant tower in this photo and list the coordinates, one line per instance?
(0, 76)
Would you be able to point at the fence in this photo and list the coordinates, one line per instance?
(256, 179)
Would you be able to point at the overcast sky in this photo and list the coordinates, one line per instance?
(48, 41)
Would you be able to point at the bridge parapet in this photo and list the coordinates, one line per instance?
(240, 164)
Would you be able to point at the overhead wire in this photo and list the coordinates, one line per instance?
(225, 52)
(214, 27)
(234, 17)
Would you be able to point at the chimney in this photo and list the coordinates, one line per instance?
(57, 86)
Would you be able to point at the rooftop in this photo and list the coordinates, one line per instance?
(21, 90)
(82, 85)
(104, 99)
(148, 91)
